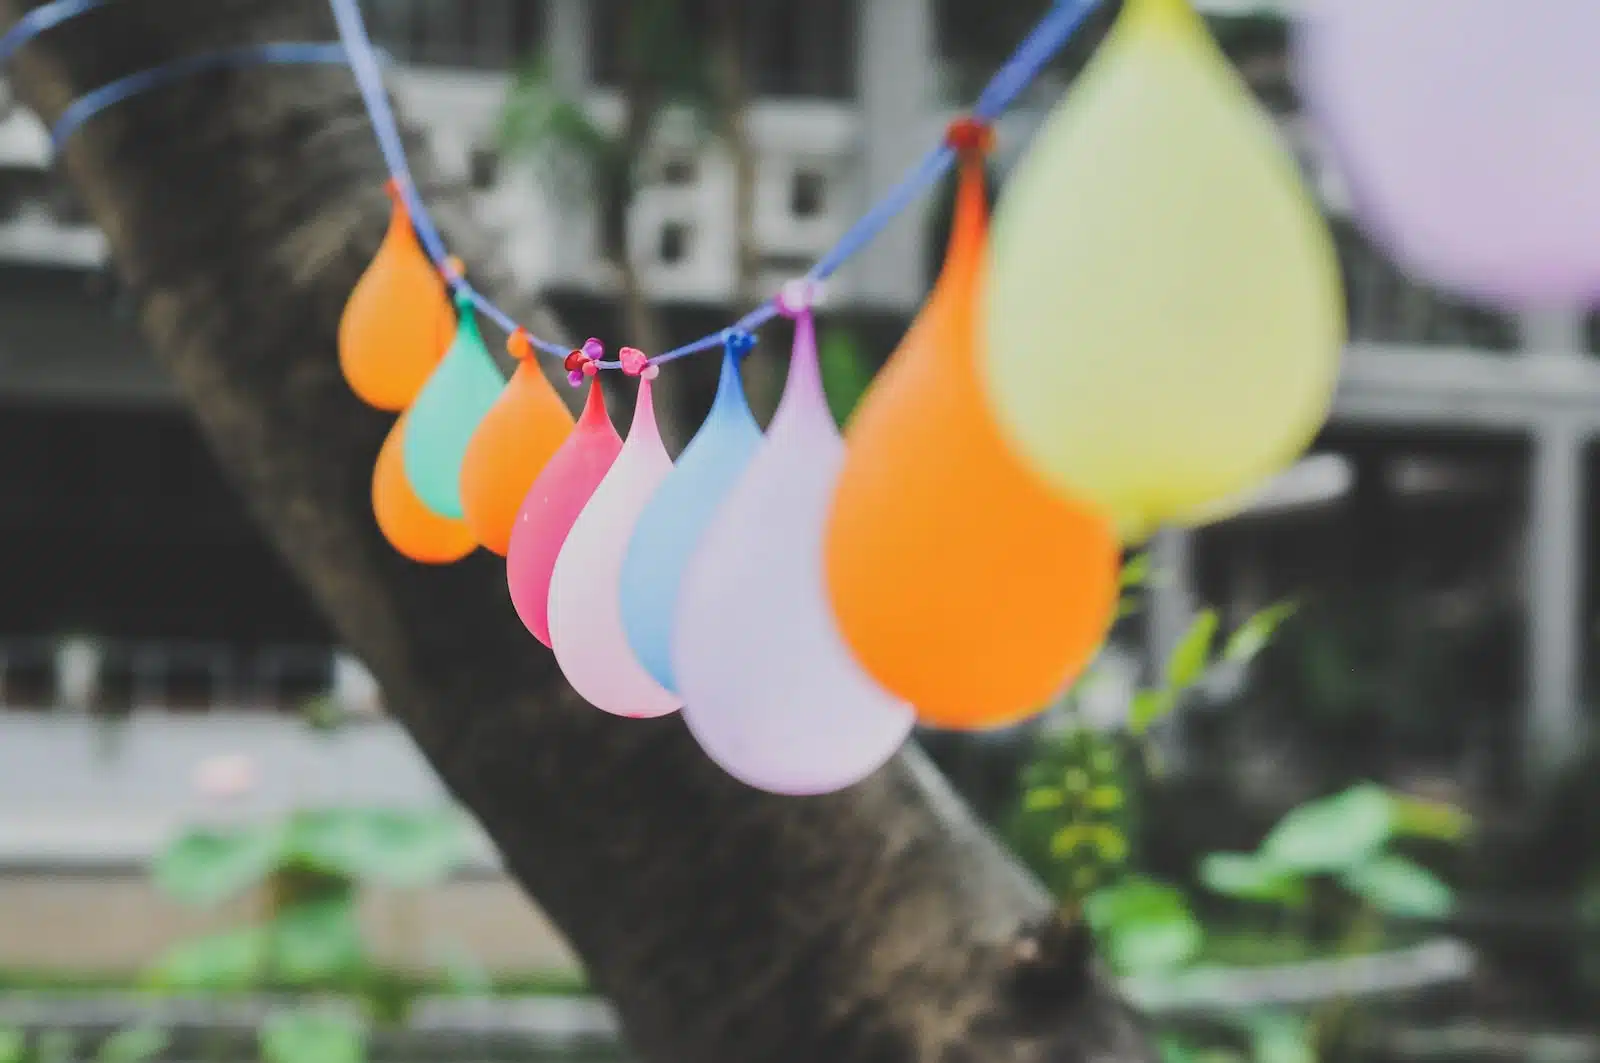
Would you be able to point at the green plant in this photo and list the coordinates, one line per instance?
(13, 1045)
(309, 867)
(1344, 840)
(845, 375)
(312, 1037)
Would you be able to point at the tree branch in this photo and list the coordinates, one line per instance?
(725, 925)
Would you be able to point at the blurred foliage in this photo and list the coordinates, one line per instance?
(312, 1037)
(1326, 877)
(310, 866)
(845, 371)
(135, 1044)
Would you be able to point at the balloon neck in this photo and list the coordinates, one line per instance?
(1163, 16)
(730, 387)
(644, 410)
(804, 387)
(594, 406)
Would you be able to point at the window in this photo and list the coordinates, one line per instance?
(487, 34)
(673, 244)
(807, 194)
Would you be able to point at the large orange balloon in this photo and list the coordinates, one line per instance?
(959, 582)
(522, 430)
(398, 320)
(411, 527)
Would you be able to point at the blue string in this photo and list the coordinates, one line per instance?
(40, 19)
(356, 49)
(1037, 48)
(87, 106)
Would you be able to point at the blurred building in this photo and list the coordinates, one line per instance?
(1455, 467)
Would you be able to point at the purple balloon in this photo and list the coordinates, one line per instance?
(1469, 134)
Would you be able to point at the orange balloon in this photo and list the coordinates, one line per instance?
(522, 430)
(959, 581)
(411, 527)
(398, 320)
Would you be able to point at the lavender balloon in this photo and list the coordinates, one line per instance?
(1469, 133)
(770, 690)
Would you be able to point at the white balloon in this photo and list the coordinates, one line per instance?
(772, 693)
(585, 589)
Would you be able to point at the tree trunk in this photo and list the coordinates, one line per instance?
(877, 925)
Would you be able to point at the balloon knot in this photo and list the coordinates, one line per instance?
(520, 345)
(593, 349)
(737, 342)
(650, 372)
(575, 378)
(454, 269)
(970, 136)
(799, 297)
(633, 361)
(391, 188)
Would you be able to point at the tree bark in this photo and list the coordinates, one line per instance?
(878, 925)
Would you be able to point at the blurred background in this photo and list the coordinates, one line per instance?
(1327, 795)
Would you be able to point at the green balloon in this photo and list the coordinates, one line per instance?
(441, 422)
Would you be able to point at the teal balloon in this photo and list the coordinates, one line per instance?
(447, 411)
(677, 515)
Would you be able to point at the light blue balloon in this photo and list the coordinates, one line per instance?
(677, 515)
(446, 413)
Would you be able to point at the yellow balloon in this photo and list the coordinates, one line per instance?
(1165, 311)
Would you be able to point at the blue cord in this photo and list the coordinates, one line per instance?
(87, 106)
(40, 19)
(356, 49)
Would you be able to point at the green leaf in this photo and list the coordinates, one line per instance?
(13, 1045)
(234, 959)
(1192, 655)
(1334, 834)
(845, 376)
(1148, 706)
(312, 1037)
(1043, 799)
(1249, 878)
(1254, 634)
(1397, 886)
(1433, 820)
(316, 941)
(1136, 572)
(1276, 1037)
(1144, 925)
(395, 848)
(206, 866)
(136, 1044)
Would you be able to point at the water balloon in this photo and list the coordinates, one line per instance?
(1164, 315)
(397, 321)
(771, 691)
(1481, 184)
(552, 504)
(412, 528)
(521, 432)
(452, 404)
(585, 590)
(959, 581)
(671, 525)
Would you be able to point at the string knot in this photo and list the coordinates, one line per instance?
(737, 342)
(520, 345)
(581, 363)
(798, 297)
(634, 363)
(970, 136)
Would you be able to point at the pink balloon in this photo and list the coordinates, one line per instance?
(586, 591)
(552, 505)
(772, 693)
(1469, 134)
